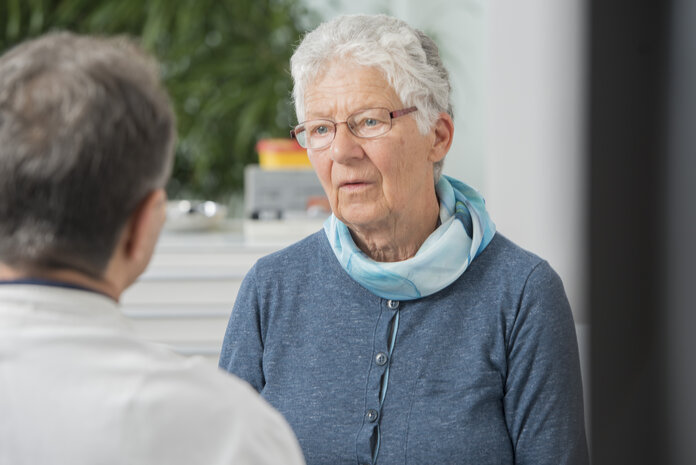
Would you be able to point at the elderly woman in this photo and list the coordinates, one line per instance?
(407, 331)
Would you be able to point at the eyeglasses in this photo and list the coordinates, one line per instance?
(366, 124)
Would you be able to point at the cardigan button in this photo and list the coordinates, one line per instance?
(371, 415)
(393, 304)
(381, 358)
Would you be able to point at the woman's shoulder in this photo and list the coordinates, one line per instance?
(521, 282)
(503, 249)
(505, 261)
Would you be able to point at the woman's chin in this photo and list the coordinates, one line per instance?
(360, 218)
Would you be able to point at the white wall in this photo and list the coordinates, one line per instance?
(534, 158)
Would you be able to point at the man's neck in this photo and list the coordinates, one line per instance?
(71, 277)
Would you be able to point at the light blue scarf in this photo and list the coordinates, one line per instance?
(464, 232)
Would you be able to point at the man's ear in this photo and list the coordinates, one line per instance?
(444, 134)
(143, 228)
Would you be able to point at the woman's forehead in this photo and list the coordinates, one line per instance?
(348, 88)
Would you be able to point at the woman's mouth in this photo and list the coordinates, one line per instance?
(353, 185)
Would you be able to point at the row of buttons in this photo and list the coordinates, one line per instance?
(381, 359)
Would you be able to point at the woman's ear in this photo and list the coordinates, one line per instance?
(444, 133)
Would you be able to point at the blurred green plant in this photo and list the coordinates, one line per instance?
(224, 62)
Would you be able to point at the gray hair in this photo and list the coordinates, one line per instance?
(86, 133)
(408, 58)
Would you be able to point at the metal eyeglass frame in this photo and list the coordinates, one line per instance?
(392, 115)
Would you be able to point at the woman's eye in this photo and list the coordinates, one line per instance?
(320, 130)
(368, 123)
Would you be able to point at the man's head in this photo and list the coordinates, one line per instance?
(86, 137)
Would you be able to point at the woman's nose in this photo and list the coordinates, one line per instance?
(345, 146)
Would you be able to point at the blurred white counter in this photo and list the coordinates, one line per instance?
(185, 297)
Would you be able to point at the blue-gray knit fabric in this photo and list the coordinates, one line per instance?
(485, 371)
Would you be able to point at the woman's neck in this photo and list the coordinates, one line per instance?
(400, 238)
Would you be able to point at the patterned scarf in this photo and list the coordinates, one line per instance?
(464, 232)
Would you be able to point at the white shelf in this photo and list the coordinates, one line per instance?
(185, 297)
